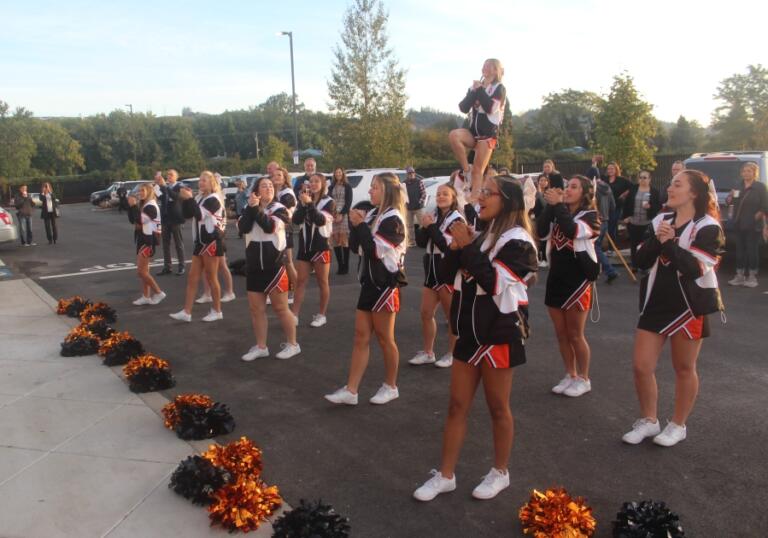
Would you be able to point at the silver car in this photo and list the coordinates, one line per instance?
(8, 230)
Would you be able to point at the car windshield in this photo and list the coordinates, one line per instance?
(354, 180)
(725, 174)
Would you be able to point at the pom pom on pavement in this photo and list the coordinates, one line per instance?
(72, 307)
(311, 520)
(555, 514)
(101, 310)
(148, 373)
(79, 342)
(646, 519)
(119, 348)
(197, 479)
(244, 505)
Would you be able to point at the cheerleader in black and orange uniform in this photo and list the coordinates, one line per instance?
(379, 237)
(675, 298)
(285, 195)
(570, 224)
(435, 236)
(207, 230)
(489, 313)
(315, 215)
(145, 216)
(263, 223)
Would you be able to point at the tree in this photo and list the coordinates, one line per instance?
(686, 136)
(276, 150)
(130, 171)
(625, 127)
(739, 119)
(56, 152)
(367, 91)
(567, 119)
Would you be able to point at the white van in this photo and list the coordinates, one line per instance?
(724, 168)
(361, 181)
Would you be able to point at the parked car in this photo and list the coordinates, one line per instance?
(430, 185)
(360, 180)
(99, 197)
(8, 230)
(131, 189)
(724, 168)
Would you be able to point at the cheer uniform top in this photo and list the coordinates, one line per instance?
(571, 254)
(436, 239)
(265, 241)
(316, 227)
(485, 106)
(489, 307)
(208, 227)
(287, 197)
(681, 287)
(147, 225)
(380, 242)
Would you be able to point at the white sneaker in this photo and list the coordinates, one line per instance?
(342, 396)
(157, 297)
(205, 298)
(289, 350)
(181, 316)
(254, 353)
(492, 484)
(422, 357)
(750, 282)
(578, 387)
(227, 297)
(738, 280)
(142, 301)
(213, 316)
(385, 394)
(563, 384)
(543, 264)
(445, 361)
(318, 320)
(642, 428)
(671, 435)
(435, 486)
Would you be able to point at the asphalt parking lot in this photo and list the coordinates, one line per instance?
(367, 460)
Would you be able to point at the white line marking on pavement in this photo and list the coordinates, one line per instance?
(103, 269)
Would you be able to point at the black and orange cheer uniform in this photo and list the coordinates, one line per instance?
(573, 264)
(436, 239)
(147, 224)
(316, 226)
(208, 226)
(485, 106)
(489, 308)
(287, 197)
(265, 241)
(681, 287)
(380, 241)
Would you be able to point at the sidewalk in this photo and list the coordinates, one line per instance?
(80, 455)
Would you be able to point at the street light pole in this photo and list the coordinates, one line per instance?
(293, 95)
(130, 107)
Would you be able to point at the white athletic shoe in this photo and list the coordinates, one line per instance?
(385, 394)
(205, 298)
(435, 486)
(157, 298)
(737, 280)
(181, 316)
(422, 357)
(342, 396)
(445, 361)
(642, 428)
(543, 264)
(492, 484)
(750, 282)
(564, 383)
(578, 387)
(289, 350)
(318, 320)
(254, 353)
(213, 316)
(227, 297)
(671, 435)
(142, 301)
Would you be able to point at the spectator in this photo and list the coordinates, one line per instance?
(620, 189)
(417, 195)
(555, 178)
(642, 206)
(122, 198)
(593, 172)
(605, 206)
(172, 220)
(677, 167)
(49, 213)
(24, 205)
(310, 167)
(542, 184)
(241, 200)
(750, 204)
(341, 192)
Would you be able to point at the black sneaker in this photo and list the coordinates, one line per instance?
(180, 271)
(610, 278)
(164, 272)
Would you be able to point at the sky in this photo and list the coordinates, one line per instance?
(87, 57)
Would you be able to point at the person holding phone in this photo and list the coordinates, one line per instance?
(749, 202)
(643, 203)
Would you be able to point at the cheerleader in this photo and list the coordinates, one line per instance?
(485, 102)
(489, 313)
(467, 202)
(570, 224)
(435, 236)
(379, 236)
(263, 224)
(285, 195)
(315, 215)
(226, 274)
(145, 216)
(675, 297)
(207, 230)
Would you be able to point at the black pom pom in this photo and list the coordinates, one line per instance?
(76, 307)
(646, 519)
(197, 422)
(151, 379)
(102, 310)
(196, 479)
(311, 520)
(100, 327)
(123, 351)
(79, 346)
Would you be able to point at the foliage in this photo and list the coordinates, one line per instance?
(740, 121)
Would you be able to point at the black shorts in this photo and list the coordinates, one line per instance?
(323, 256)
(265, 281)
(373, 299)
(214, 248)
(694, 328)
(145, 246)
(506, 355)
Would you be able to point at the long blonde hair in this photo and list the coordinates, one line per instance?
(149, 193)
(212, 181)
(393, 196)
(499, 69)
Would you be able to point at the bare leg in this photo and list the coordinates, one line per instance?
(321, 275)
(647, 349)
(195, 270)
(483, 154)
(497, 383)
(257, 304)
(360, 349)
(445, 301)
(561, 331)
(429, 300)
(150, 284)
(684, 355)
(461, 140)
(290, 268)
(301, 286)
(384, 327)
(227, 274)
(211, 268)
(464, 380)
(575, 321)
(280, 306)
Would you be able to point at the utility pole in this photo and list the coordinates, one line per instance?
(130, 108)
(293, 96)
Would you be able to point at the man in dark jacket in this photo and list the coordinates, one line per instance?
(171, 219)
(310, 167)
(24, 205)
(417, 195)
